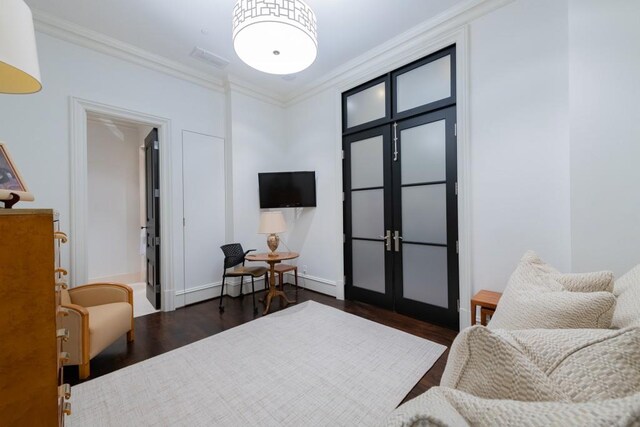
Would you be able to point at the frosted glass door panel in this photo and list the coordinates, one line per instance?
(368, 265)
(424, 153)
(424, 214)
(424, 274)
(366, 106)
(366, 163)
(367, 212)
(424, 85)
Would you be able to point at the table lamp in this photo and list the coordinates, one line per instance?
(272, 223)
(19, 68)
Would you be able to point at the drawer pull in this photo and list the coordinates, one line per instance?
(67, 408)
(61, 271)
(63, 312)
(64, 391)
(60, 285)
(63, 333)
(64, 357)
(60, 236)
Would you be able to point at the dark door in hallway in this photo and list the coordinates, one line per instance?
(152, 183)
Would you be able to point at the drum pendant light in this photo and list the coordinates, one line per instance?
(275, 36)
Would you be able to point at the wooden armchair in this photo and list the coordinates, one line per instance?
(98, 314)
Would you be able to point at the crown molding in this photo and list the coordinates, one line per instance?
(398, 51)
(81, 36)
(388, 56)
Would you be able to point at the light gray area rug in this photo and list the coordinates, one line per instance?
(307, 365)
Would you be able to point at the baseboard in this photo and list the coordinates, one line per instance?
(212, 290)
(232, 288)
(313, 283)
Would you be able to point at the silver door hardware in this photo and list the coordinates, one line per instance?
(456, 188)
(387, 240)
(156, 193)
(397, 238)
(455, 129)
(156, 145)
(157, 241)
(395, 142)
(343, 154)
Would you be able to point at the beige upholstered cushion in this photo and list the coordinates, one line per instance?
(107, 322)
(545, 365)
(539, 297)
(443, 407)
(627, 290)
(65, 299)
(100, 293)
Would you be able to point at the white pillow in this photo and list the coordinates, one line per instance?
(537, 296)
(627, 290)
(599, 281)
(554, 310)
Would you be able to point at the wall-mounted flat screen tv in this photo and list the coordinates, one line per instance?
(287, 189)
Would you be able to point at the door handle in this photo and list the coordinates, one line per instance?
(397, 237)
(387, 240)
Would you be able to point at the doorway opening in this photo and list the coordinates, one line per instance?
(123, 207)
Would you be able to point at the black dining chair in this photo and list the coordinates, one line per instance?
(234, 256)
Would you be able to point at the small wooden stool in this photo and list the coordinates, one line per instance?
(487, 301)
(283, 268)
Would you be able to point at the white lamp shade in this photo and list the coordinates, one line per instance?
(275, 36)
(19, 68)
(271, 223)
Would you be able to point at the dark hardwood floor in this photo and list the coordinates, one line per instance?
(159, 333)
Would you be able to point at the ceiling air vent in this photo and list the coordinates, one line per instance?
(209, 57)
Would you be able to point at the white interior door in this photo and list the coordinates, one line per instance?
(204, 215)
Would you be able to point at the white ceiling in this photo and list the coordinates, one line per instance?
(170, 28)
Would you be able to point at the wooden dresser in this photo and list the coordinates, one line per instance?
(31, 387)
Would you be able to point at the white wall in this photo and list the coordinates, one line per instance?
(519, 148)
(258, 144)
(519, 139)
(605, 134)
(36, 127)
(113, 157)
(316, 233)
(526, 192)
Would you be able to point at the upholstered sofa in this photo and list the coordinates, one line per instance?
(561, 350)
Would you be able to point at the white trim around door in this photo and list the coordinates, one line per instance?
(79, 195)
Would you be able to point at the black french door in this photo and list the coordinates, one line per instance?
(400, 190)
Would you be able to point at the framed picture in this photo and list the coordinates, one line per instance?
(10, 179)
